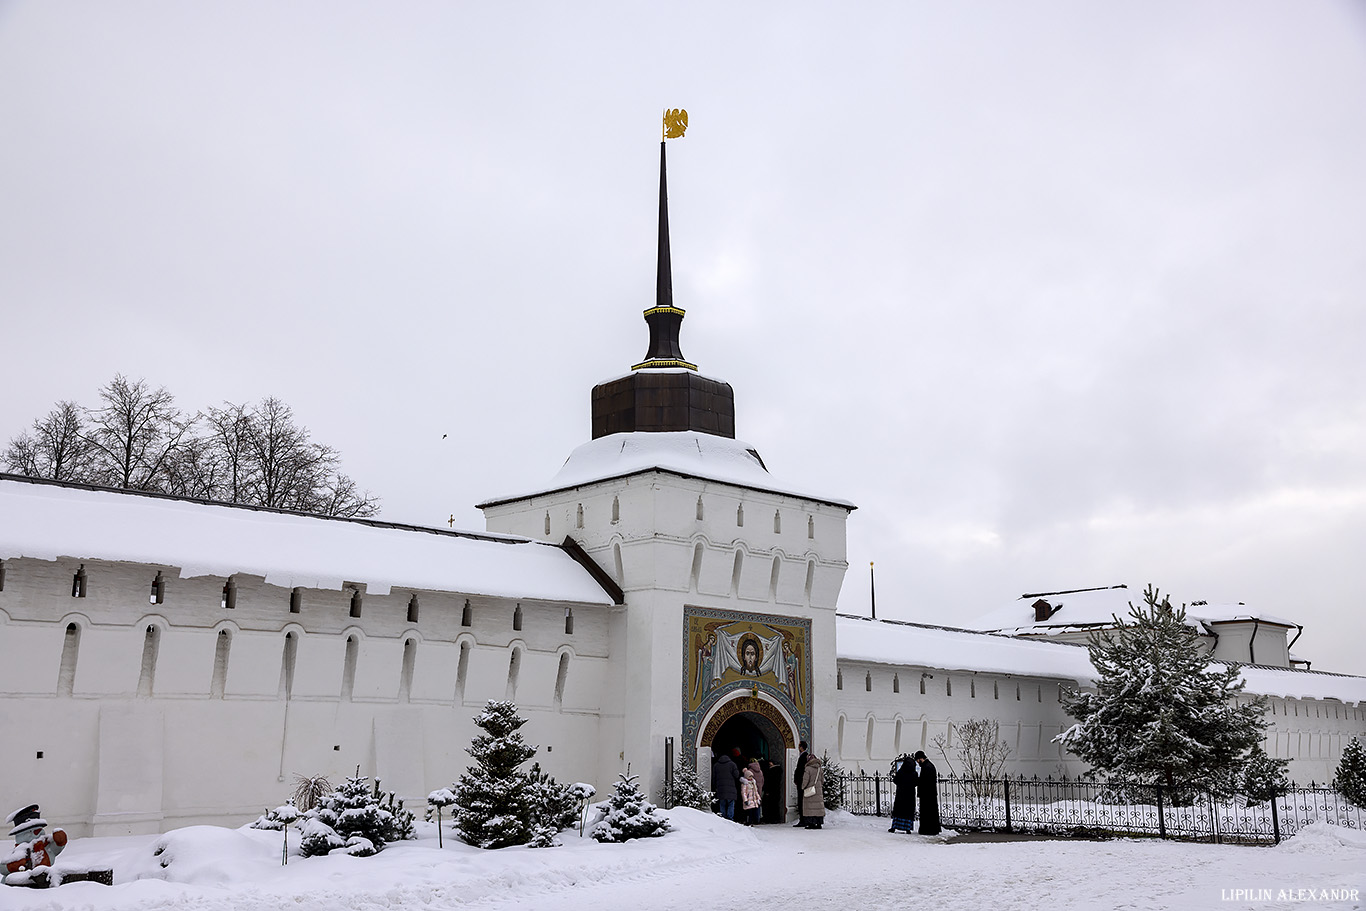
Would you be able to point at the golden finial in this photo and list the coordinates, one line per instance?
(675, 122)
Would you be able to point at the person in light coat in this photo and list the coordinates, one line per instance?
(749, 798)
(813, 794)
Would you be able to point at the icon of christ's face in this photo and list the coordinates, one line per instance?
(751, 658)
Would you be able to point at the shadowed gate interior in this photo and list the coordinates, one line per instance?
(757, 738)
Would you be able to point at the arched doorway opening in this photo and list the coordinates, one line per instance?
(757, 737)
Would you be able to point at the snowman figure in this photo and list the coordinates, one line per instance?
(32, 849)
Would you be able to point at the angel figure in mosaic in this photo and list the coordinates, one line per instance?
(704, 680)
(790, 676)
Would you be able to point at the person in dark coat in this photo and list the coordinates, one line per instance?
(797, 771)
(928, 788)
(773, 792)
(903, 808)
(725, 781)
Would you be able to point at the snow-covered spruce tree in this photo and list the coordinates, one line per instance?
(1263, 777)
(404, 825)
(554, 806)
(832, 782)
(687, 788)
(355, 819)
(1350, 780)
(629, 814)
(1163, 712)
(496, 803)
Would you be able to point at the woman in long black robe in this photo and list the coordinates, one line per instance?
(928, 788)
(903, 807)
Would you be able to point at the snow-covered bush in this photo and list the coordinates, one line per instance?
(832, 782)
(630, 815)
(276, 819)
(496, 804)
(1264, 777)
(555, 806)
(687, 790)
(355, 819)
(1350, 780)
(436, 802)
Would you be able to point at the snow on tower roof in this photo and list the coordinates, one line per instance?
(1088, 607)
(899, 642)
(45, 521)
(687, 453)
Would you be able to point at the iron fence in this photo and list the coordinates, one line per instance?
(1100, 808)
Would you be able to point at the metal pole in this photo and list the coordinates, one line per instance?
(1005, 783)
(872, 589)
(669, 771)
(1214, 820)
(877, 792)
(1161, 819)
(1275, 820)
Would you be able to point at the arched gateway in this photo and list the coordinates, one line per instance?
(760, 729)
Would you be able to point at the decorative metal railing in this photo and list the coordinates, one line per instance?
(1096, 807)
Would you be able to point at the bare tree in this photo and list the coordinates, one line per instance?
(56, 449)
(287, 467)
(980, 749)
(195, 469)
(140, 440)
(135, 433)
(229, 436)
(341, 497)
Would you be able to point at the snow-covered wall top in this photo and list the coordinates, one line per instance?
(883, 642)
(1294, 683)
(1099, 606)
(895, 642)
(687, 452)
(47, 521)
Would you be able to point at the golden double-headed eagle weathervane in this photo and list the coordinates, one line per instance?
(675, 122)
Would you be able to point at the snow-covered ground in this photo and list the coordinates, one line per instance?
(853, 863)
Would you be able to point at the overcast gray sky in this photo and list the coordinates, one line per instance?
(1060, 294)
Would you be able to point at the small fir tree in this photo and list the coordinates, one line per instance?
(1264, 778)
(832, 782)
(496, 803)
(630, 815)
(687, 788)
(1163, 712)
(404, 822)
(554, 806)
(1350, 780)
(354, 819)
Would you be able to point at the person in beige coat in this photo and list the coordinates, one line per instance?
(812, 795)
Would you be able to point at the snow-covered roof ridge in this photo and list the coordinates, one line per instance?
(687, 453)
(923, 645)
(901, 642)
(47, 520)
(1082, 608)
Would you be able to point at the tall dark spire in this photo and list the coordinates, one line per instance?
(664, 279)
(664, 319)
(665, 394)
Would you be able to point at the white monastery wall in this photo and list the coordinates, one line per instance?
(885, 710)
(888, 710)
(127, 715)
